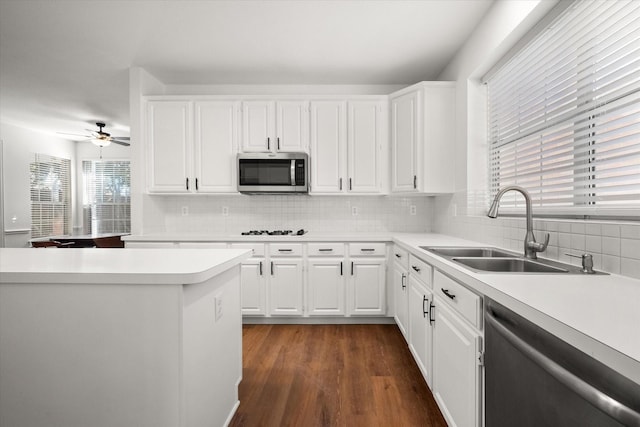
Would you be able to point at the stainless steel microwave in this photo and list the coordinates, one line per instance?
(273, 173)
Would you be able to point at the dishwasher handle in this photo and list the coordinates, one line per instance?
(617, 410)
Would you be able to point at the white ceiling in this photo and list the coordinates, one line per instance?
(64, 63)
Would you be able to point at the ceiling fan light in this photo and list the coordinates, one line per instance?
(101, 142)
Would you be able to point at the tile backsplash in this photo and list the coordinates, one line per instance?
(328, 214)
(615, 246)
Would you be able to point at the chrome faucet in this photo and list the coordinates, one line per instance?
(531, 247)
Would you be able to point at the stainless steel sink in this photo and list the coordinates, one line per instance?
(454, 251)
(509, 265)
(494, 260)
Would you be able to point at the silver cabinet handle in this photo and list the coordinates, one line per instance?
(416, 269)
(325, 250)
(367, 250)
(285, 250)
(597, 398)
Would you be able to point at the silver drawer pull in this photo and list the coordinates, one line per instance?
(415, 268)
(367, 250)
(285, 250)
(325, 250)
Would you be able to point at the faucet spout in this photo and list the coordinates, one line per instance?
(531, 247)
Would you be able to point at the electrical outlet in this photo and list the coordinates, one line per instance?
(354, 210)
(185, 210)
(225, 211)
(413, 210)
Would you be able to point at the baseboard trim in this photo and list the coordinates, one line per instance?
(318, 320)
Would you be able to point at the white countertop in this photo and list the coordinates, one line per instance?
(599, 314)
(131, 266)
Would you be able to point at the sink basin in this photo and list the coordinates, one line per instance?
(451, 251)
(509, 265)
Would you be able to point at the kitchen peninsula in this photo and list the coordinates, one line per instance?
(106, 337)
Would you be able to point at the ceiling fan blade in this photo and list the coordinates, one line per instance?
(115, 141)
(121, 138)
(73, 134)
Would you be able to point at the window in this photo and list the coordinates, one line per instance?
(107, 196)
(50, 196)
(564, 114)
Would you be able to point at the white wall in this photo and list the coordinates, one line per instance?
(19, 144)
(615, 245)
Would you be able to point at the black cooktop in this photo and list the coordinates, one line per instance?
(273, 233)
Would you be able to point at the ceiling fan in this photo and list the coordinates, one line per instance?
(102, 138)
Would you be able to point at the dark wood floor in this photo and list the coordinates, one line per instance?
(331, 375)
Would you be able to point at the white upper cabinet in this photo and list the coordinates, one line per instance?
(328, 148)
(292, 126)
(365, 128)
(192, 146)
(347, 140)
(258, 120)
(216, 146)
(169, 143)
(270, 126)
(423, 130)
(404, 141)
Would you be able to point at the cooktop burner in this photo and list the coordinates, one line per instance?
(273, 232)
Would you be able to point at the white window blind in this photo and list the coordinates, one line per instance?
(50, 179)
(107, 196)
(564, 114)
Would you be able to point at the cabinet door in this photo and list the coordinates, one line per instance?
(328, 147)
(420, 333)
(364, 139)
(367, 287)
(169, 138)
(292, 126)
(404, 142)
(456, 371)
(400, 297)
(325, 286)
(215, 146)
(285, 287)
(253, 287)
(257, 126)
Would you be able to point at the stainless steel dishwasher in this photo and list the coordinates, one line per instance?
(532, 378)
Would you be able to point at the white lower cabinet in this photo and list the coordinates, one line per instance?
(400, 298)
(367, 279)
(367, 286)
(456, 367)
(326, 286)
(285, 286)
(253, 280)
(420, 330)
(253, 286)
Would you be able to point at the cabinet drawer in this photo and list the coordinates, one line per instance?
(367, 249)
(400, 256)
(285, 249)
(257, 248)
(465, 302)
(325, 249)
(420, 269)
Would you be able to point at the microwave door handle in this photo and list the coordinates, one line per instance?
(293, 172)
